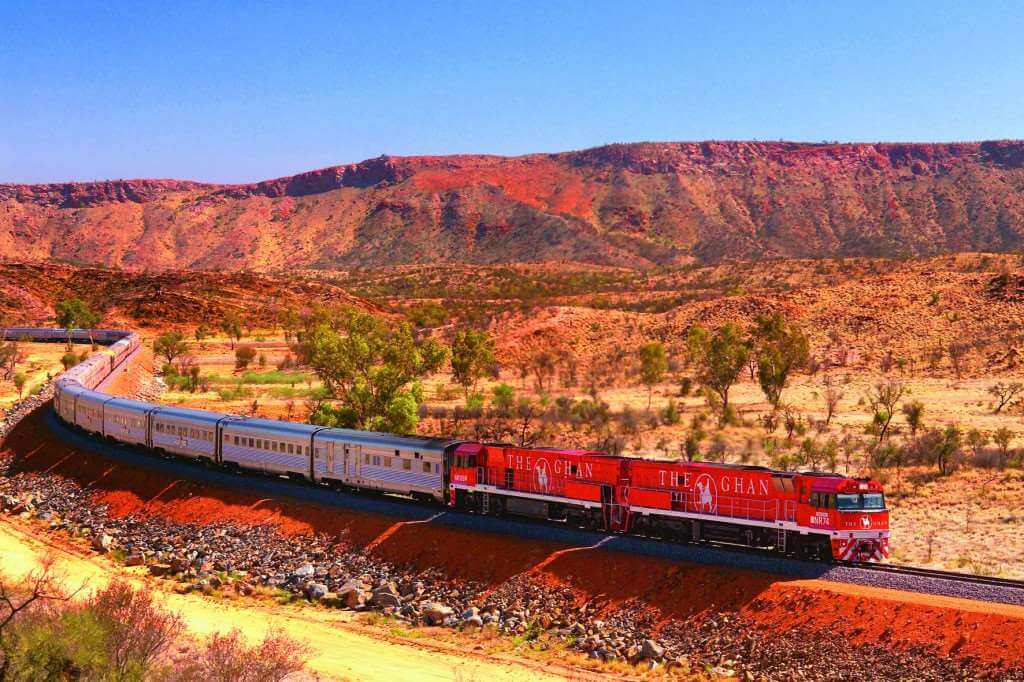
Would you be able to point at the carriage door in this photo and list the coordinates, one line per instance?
(353, 453)
(330, 457)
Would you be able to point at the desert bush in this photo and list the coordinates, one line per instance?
(243, 356)
(226, 658)
(629, 420)
(670, 414)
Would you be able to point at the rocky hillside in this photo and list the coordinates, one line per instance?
(28, 292)
(635, 204)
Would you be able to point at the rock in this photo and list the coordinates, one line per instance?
(304, 571)
(385, 599)
(102, 542)
(652, 650)
(352, 595)
(160, 569)
(316, 591)
(435, 614)
(332, 600)
(215, 581)
(134, 560)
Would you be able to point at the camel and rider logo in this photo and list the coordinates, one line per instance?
(706, 494)
(540, 474)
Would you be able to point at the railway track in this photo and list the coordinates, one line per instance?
(918, 572)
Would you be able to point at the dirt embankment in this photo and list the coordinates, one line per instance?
(983, 635)
(340, 647)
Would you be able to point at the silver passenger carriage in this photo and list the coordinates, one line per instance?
(274, 447)
(89, 411)
(187, 432)
(408, 465)
(127, 420)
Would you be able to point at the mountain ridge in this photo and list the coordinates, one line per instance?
(646, 203)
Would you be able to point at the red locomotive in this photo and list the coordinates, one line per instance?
(812, 515)
(577, 486)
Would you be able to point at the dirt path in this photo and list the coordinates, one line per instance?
(342, 648)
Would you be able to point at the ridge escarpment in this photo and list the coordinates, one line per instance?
(622, 204)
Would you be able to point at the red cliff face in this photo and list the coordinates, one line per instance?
(630, 204)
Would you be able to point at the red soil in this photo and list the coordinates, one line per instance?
(987, 633)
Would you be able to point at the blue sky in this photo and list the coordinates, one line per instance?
(235, 91)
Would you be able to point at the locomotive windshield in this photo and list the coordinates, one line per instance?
(858, 502)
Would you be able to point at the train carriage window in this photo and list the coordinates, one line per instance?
(376, 461)
(251, 441)
(387, 461)
(407, 464)
(426, 467)
(291, 449)
(307, 451)
(236, 440)
(366, 459)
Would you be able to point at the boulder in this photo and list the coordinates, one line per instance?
(304, 571)
(352, 594)
(134, 560)
(385, 598)
(316, 591)
(102, 542)
(435, 614)
(652, 650)
(160, 569)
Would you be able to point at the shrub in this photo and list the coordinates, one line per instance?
(670, 415)
(243, 356)
(227, 659)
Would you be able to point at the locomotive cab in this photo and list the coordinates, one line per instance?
(853, 513)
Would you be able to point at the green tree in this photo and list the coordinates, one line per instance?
(913, 412)
(170, 345)
(231, 325)
(504, 399)
(782, 349)
(948, 449)
(371, 370)
(883, 400)
(69, 360)
(653, 365)
(719, 358)
(74, 313)
(472, 355)
(201, 333)
(19, 382)
(1002, 438)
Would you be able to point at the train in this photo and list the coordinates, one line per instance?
(811, 515)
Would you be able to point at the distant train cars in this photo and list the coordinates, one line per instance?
(808, 514)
